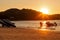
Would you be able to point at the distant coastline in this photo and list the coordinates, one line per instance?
(26, 14)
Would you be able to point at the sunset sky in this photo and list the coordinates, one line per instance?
(52, 5)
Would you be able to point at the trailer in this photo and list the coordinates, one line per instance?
(7, 23)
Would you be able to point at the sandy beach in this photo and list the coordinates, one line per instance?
(27, 34)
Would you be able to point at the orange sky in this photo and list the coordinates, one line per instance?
(52, 5)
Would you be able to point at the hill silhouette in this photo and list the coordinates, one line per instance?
(26, 14)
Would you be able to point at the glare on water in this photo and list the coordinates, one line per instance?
(44, 25)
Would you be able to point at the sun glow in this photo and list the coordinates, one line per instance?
(44, 10)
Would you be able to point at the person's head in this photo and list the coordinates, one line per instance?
(47, 22)
(40, 22)
(55, 22)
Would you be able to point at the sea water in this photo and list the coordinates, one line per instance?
(35, 23)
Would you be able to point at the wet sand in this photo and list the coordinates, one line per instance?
(27, 34)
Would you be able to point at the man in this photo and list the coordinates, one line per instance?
(41, 24)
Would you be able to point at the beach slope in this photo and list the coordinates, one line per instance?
(27, 34)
